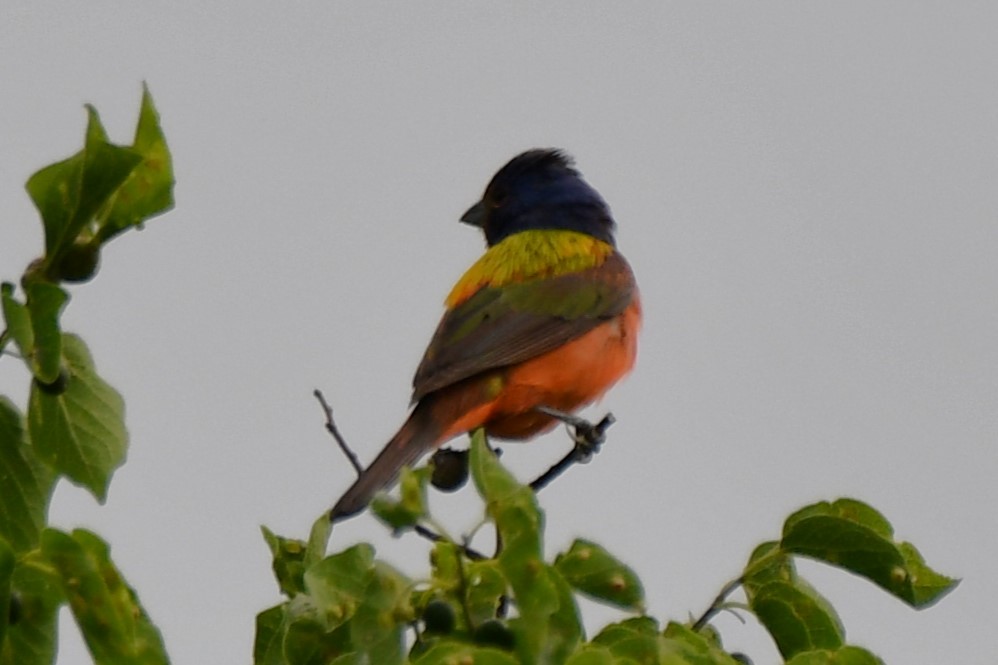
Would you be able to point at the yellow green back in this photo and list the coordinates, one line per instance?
(530, 255)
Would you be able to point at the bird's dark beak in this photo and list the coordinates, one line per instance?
(475, 215)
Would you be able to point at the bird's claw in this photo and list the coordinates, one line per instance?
(588, 437)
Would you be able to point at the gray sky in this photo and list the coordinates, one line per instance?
(806, 192)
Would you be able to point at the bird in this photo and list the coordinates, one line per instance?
(546, 319)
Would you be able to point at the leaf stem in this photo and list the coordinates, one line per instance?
(718, 604)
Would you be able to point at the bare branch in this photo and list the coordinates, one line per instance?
(331, 428)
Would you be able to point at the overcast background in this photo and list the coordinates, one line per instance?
(806, 191)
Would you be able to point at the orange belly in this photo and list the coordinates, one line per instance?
(567, 378)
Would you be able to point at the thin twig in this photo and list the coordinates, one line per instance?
(331, 428)
(435, 537)
(588, 439)
(718, 603)
(423, 531)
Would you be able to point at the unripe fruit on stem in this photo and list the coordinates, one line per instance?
(14, 612)
(79, 262)
(494, 633)
(450, 469)
(439, 618)
(56, 387)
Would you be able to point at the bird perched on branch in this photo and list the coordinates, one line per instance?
(547, 317)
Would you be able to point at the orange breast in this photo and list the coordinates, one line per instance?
(567, 378)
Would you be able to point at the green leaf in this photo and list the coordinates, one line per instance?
(444, 565)
(33, 639)
(449, 652)
(504, 496)
(384, 610)
(288, 561)
(269, 638)
(843, 656)
(81, 432)
(683, 645)
(852, 535)
(114, 624)
(798, 618)
(566, 623)
(352, 658)
(26, 483)
(69, 193)
(485, 585)
(55, 191)
(306, 642)
(768, 563)
(591, 654)
(638, 640)
(148, 191)
(593, 571)
(639, 648)
(45, 303)
(18, 322)
(927, 586)
(318, 540)
(626, 629)
(411, 507)
(337, 584)
(6, 583)
(513, 508)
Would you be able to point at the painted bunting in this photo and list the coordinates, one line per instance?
(547, 317)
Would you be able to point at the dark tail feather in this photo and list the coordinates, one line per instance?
(418, 434)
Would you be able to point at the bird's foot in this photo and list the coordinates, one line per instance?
(588, 437)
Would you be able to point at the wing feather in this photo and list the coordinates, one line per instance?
(500, 326)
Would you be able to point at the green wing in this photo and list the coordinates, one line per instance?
(509, 324)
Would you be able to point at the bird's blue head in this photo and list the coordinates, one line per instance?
(540, 189)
